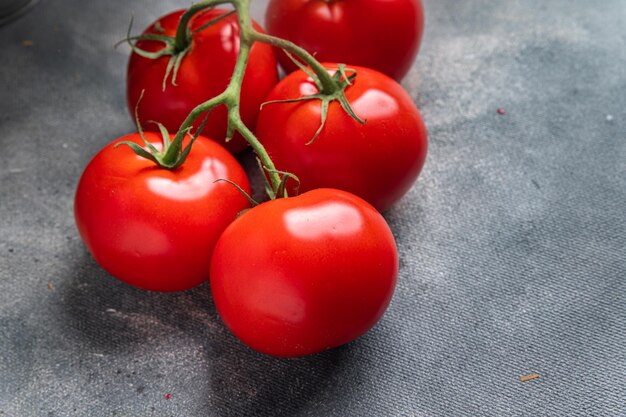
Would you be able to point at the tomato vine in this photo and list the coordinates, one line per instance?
(331, 87)
(175, 226)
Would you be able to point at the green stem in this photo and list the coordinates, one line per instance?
(185, 127)
(234, 90)
(231, 96)
(183, 35)
(329, 86)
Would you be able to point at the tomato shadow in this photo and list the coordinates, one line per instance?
(106, 316)
(110, 316)
(248, 161)
(247, 383)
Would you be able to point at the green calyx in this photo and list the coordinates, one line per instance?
(279, 191)
(176, 47)
(171, 157)
(328, 92)
(173, 154)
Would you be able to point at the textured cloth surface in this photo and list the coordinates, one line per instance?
(512, 242)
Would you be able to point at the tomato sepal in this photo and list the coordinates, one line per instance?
(341, 79)
(176, 46)
(173, 154)
(248, 197)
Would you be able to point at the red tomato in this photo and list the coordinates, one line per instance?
(155, 228)
(380, 34)
(300, 275)
(378, 160)
(204, 73)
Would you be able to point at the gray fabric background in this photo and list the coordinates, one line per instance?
(512, 243)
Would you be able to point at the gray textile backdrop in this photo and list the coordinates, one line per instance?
(512, 242)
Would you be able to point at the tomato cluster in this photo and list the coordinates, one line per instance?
(165, 211)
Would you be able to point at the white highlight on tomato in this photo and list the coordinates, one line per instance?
(331, 220)
(190, 188)
(375, 102)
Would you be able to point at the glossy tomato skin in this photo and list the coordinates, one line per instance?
(378, 161)
(380, 34)
(204, 73)
(151, 227)
(296, 276)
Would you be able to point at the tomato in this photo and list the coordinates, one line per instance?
(300, 275)
(204, 73)
(380, 34)
(155, 228)
(378, 160)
